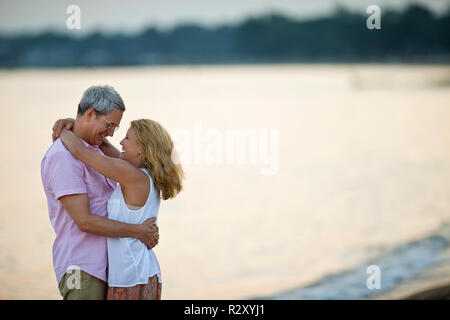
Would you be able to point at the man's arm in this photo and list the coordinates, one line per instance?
(77, 205)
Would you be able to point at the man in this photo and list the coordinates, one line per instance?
(77, 197)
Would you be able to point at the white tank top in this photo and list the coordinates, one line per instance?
(129, 261)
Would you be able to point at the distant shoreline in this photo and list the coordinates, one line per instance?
(444, 63)
(412, 35)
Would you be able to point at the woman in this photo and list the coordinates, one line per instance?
(145, 172)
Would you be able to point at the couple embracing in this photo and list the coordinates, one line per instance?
(103, 203)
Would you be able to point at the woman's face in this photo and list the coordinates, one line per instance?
(130, 149)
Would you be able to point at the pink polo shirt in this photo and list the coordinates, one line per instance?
(62, 175)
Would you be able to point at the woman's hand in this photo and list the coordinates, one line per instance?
(61, 124)
(72, 142)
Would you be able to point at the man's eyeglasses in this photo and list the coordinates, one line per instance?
(111, 126)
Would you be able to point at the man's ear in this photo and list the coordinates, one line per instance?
(90, 114)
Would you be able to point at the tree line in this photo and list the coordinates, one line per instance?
(412, 35)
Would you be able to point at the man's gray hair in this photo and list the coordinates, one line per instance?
(103, 99)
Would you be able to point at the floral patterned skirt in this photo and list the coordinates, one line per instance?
(149, 291)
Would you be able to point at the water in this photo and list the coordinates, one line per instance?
(363, 175)
(394, 266)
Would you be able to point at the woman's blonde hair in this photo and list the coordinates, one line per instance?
(157, 150)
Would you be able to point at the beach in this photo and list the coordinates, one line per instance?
(350, 167)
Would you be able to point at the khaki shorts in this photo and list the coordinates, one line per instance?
(82, 286)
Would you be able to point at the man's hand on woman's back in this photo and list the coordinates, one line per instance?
(151, 237)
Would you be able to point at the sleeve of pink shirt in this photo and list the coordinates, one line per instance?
(65, 174)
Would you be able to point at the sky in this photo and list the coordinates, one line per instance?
(133, 16)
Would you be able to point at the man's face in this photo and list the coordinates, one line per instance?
(99, 125)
